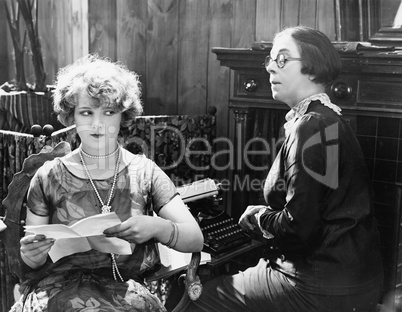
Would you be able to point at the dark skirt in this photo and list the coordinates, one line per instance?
(262, 288)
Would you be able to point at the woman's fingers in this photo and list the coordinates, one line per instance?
(34, 245)
(32, 238)
(122, 227)
(247, 220)
(134, 230)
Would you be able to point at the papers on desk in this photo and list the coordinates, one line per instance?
(174, 261)
(82, 236)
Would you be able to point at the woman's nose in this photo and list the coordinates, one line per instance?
(271, 67)
(97, 123)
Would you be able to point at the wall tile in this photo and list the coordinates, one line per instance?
(385, 170)
(368, 145)
(387, 148)
(384, 193)
(388, 127)
(366, 125)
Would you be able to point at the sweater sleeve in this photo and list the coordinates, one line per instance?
(308, 166)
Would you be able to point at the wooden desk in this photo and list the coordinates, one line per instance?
(215, 267)
(216, 262)
(228, 256)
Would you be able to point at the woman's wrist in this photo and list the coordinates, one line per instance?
(173, 235)
(33, 264)
(258, 216)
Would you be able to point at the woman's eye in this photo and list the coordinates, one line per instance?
(110, 113)
(85, 113)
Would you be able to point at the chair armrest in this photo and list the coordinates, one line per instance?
(192, 283)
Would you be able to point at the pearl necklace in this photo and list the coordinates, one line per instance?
(106, 208)
(99, 156)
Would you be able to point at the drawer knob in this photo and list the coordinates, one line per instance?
(250, 85)
(341, 90)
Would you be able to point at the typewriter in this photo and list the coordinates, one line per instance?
(221, 233)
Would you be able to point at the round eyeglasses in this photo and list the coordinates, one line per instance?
(280, 60)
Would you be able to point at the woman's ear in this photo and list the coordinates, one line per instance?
(71, 121)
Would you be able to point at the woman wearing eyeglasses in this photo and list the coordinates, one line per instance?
(318, 222)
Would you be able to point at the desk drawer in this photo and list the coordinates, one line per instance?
(367, 93)
(356, 92)
(252, 84)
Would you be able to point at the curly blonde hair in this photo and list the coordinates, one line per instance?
(109, 83)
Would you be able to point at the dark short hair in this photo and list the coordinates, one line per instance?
(109, 83)
(318, 55)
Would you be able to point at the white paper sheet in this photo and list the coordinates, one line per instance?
(82, 236)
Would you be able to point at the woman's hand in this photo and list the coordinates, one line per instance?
(34, 249)
(137, 229)
(248, 220)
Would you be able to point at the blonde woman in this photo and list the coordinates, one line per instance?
(99, 97)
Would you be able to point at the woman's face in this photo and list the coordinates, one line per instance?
(98, 127)
(288, 84)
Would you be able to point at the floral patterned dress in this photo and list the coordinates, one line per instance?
(84, 281)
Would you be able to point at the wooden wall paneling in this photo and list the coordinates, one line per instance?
(4, 64)
(131, 37)
(244, 24)
(79, 28)
(48, 41)
(10, 51)
(58, 30)
(268, 21)
(290, 13)
(244, 34)
(162, 57)
(102, 27)
(218, 81)
(63, 33)
(349, 21)
(193, 57)
(307, 13)
(218, 76)
(326, 18)
(29, 69)
(47, 26)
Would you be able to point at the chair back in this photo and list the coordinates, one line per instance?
(15, 213)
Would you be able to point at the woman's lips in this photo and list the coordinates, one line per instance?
(97, 135)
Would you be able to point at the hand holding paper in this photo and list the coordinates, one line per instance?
(82, 236)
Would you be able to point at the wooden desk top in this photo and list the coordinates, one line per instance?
(166, 272)
(226, 257)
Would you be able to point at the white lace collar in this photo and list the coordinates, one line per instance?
(300, 108)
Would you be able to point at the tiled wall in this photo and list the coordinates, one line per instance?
(381, 141)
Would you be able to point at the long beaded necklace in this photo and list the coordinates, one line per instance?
(106, 208)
